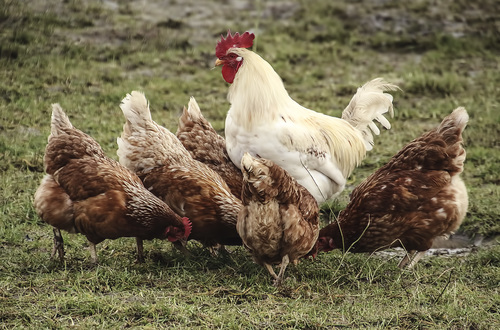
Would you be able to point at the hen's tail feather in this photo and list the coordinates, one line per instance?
(453, 125)
(193, 109)
(135, 108)
(67, 143)
(144, 144)
(133, 151)
(59, 120)
(451, 129)
(190, 115)
(368, 104)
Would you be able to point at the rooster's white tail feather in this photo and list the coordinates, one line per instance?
(368, 104)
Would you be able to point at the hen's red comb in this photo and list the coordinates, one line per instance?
(237, 41)
(187, 227)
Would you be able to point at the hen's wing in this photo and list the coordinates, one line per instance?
(409, 211)
(197, 192)
(53, 205)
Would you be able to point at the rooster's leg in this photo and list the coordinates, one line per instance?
(93, 253)
(284, 262)
(417, 256)
(140, 250)
(58, 245)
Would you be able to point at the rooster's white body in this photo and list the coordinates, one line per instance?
(319, 151)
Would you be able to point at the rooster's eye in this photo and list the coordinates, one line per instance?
(239, 58)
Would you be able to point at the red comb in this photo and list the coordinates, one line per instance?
(237, 41)
(187, 227)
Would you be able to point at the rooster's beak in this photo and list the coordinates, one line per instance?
(219, 62)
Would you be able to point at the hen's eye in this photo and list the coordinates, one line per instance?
(239, 58)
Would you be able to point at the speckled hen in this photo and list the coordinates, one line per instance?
(205, 145)
(86, 192)
(410, 201)
(279, 222)
(189, 187)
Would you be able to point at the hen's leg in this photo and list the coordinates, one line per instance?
(58, 245)
(271, 271)
(140, 250)
(284, 262)
(218, 250)
(93, 253)
(182, 248)
(406, 259)
(411, 258)
(416, 258)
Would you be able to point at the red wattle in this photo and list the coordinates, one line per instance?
(228, 73)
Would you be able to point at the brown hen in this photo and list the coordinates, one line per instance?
(205, 145)
(86, 192)
(279, 221)
(410, 201)
(167, 169)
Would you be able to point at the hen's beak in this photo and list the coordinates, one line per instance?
(183, 241)
(219, 62)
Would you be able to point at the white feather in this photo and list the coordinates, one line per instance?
(319, 151)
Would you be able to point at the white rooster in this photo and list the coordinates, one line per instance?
(319, 151)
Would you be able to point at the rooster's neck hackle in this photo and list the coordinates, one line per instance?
(263, 103)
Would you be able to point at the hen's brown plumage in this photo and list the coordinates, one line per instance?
(189, 187)
(411, 200)
(86, 192)
(205, 145)
(279, 221)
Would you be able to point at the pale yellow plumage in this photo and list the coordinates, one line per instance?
(318, 150)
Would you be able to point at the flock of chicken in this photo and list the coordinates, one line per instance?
(261, 185)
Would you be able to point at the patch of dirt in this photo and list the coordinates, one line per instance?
(457, 245)
(109, 21)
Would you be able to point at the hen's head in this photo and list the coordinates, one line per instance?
(175, 233)
(226, 56)
(257, 178)
(325, 244)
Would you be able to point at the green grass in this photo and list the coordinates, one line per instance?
(88, 55)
